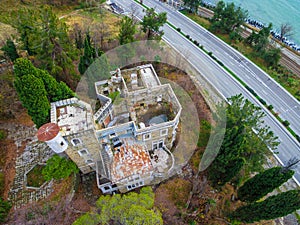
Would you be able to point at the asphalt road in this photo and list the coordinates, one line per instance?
(267, 88)
(286, 105)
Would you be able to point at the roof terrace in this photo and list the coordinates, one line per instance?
(71, 115)
(140, 77)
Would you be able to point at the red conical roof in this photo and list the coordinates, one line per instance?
(47, 132)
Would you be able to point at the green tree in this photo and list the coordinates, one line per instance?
(10, 50)
(245, 144)
(272, 56)
(55, 91)
(193, 5)
(152, 23)
(4, 209)
(58, 167)
(127, 30)
(263, 183)
(88, 218)
(131, 208)
(89, 55)
(259, 41)
(45, 37)
(273, 207)
(32, 93)
(36, 88)
(228, 18)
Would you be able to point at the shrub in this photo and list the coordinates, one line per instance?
(251, 91)
(188, 36)
(2, 135)
(178, 29)
(286, 123)
(270, 107)
(58, 168)
(262, 101)
(220, 63)
(5, 207)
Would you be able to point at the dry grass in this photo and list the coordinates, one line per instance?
(6, 31)
(93, 19)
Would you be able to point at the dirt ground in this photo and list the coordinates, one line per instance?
(11, 113)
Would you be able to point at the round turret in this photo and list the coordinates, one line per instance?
(49, 133)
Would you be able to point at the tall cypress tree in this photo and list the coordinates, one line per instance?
(89, 55)
(263, 183)
(33, 96)
(55, 91)
(271, 208)
(36, 89)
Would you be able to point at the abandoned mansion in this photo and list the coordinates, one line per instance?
(127, 138)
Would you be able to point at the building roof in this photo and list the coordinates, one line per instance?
(130, 159)
(72, 116)
(47, 132)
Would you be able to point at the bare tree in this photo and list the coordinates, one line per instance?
(286, 30)
(100, 31)
(292, 163)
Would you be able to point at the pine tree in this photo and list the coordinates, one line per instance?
(271, 208)
(263, 183)
(45, 36)
(240, 143)
(127, 30)
(55, 91)
(193, 5)
(227, 17)
(152, 23)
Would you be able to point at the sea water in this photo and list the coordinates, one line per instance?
(277, 12)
